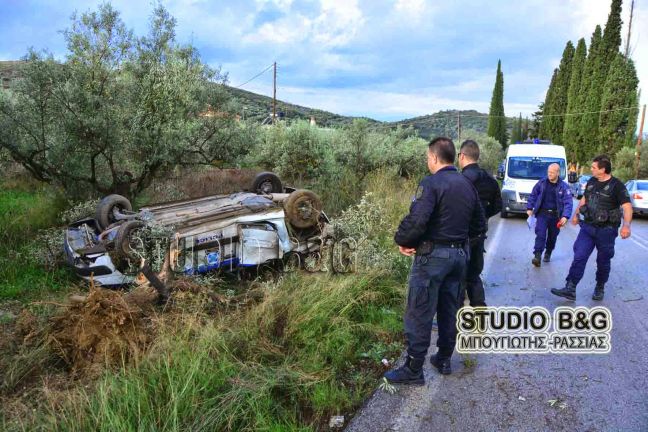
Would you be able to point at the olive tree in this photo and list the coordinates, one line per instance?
(119, 109)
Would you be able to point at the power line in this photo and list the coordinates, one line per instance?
(255, 76)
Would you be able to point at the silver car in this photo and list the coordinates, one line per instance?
(221, 232)
(638, 190)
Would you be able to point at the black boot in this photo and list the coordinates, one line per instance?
(569, 292)
(599, 291)
(536, 259)
(441, 361)
(410, 373)
(547, 256)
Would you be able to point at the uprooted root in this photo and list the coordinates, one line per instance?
(105, 328)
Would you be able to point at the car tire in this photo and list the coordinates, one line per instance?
(105, 208)
(303, 208)
(123, 238)
(267, 183)
(504, 214)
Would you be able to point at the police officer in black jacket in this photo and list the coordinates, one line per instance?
(490, 198)
(445, 213)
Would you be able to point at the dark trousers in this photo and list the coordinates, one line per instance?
(434, 284)
(474, 285)
(546, 232)
(588, 238)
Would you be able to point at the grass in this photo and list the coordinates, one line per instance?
(22, 214)
(310, 348)
(287, 363)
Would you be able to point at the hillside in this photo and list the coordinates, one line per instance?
(445, 123)
(258, 107)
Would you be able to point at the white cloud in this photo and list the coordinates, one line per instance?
(283, 4)
(290, 30)
(412, 8)
(335, 25)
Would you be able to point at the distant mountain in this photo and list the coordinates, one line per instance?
(259, 107)
(445, 123)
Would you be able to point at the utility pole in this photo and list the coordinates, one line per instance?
(274, 94)
(639, 139)
(627, 49)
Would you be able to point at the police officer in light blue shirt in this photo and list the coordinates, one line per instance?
(551, 203)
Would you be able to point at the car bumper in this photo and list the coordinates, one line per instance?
(511, 202)
(640, 208)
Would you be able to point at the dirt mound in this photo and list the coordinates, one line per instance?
(104, 328)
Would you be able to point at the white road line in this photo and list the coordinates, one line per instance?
(639, 238)
(492, 244)
(641, 245)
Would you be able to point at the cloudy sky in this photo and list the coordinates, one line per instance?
(388, 60)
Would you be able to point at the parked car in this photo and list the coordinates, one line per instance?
(638, 190)
(268, 225)
(579, 187)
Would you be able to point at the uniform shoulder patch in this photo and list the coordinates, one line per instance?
(419, 192)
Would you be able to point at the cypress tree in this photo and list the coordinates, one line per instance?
(582, 147)
(534, 131)
(571, 131)
(525, 129)
(616, 124)
(609, 47)
(496, 119)
(548, 106)
(557, 106)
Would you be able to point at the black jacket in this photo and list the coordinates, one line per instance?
(446, 209)
(487, 187)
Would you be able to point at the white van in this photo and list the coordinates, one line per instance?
(526, 164)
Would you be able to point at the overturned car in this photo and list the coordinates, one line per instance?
(268, 225)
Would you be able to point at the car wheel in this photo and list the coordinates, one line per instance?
(124, 242)
(267, 183)
(504, 214)
(303, 208)
(105, 209)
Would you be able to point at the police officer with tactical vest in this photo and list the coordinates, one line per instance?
(445, 213)
(490, 198)
(605, 205)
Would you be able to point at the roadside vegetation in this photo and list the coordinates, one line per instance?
(145, 118)
(26, 210)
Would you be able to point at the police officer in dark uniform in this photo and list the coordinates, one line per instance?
(444, 214)
(490, 198)
(604, 194)
(551, 202)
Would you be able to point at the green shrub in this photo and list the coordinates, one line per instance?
(491, 153)
(624, 163)
(24, 254)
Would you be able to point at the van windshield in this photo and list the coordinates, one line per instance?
(533, 168)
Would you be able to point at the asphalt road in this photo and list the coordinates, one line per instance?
(511, 392)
